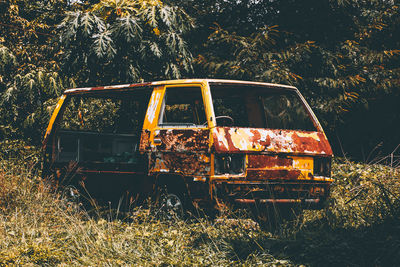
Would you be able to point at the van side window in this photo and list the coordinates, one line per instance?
(101, 128)
(259, 107)
(183, 107)
(102, 115)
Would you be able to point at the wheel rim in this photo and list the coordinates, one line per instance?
(71, 194)
(172, 206)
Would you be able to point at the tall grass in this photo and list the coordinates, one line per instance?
(359, 227)
(38, 227)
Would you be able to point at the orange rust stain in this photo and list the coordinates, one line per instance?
(284, 174)
(278, 141)
(267, 161)
(179, 140)
(144, 141)
(186, 164)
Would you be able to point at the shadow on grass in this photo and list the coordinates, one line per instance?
(317, 244)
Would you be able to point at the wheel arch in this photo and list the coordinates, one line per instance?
(173, 181)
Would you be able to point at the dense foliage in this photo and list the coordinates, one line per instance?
(343, 56)
(125, 41)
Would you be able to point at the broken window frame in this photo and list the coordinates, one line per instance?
(178, 125)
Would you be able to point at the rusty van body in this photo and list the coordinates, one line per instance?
(211, 142)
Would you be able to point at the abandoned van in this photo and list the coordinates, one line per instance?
(198, 143)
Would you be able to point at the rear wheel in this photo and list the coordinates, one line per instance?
(70, 194)
(71, 197)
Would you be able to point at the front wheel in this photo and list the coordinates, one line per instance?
(170, 204)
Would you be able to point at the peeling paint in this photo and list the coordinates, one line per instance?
(270, 140)
(197, 164)
(181, 140)
(151, 111)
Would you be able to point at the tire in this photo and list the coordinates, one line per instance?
(71, 197)
(169, 204)
(70, 194)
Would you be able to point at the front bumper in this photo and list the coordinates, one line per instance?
(308, 194)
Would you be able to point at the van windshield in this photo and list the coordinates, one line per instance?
(260, 107)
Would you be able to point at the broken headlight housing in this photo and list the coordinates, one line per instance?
(229, 164)
(322, 166)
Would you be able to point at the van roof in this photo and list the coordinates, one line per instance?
(170, 82)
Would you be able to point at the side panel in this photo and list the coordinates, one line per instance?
(106, 165)
(235, 140)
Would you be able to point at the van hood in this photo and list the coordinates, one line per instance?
(234, 140)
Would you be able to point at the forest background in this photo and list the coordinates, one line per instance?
(343, 55)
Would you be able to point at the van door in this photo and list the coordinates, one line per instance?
(176, 133)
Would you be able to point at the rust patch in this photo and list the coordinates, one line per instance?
(273, 174)
(228, 139)
(180, 140)
(187, 164)
(318, 144)
(266, 161)
(144, 141)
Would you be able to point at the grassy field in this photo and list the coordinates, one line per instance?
(359, 227)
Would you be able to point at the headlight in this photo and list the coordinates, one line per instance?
(229, 164)
(322, 166)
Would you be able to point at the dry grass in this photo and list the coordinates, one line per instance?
(38, 227)
(360, 227)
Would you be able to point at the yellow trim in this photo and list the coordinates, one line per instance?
(323, 179)
(208, 104)
(234, 179)
(54, 116)
(212, 170)
(153, 108)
